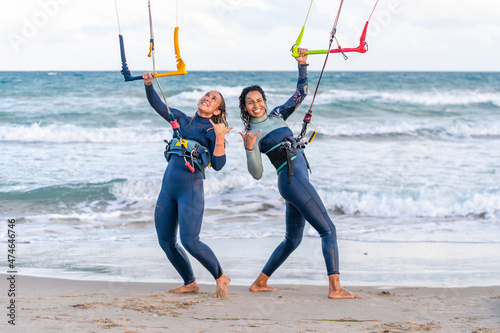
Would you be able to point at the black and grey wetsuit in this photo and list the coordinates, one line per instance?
(302, 201)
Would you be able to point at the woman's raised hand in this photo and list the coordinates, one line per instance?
(148, 78)
(249, 139)
(302, 58)
(220, 129)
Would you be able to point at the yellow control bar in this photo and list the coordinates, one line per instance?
(181, 66)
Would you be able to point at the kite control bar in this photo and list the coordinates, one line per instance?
(361, 48)
(181, 66)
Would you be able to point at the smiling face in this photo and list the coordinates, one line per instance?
(255, 104)
(209, 104)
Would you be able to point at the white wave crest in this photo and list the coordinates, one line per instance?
(71, 133)
(453, 97)
(457, 129)
(438, 203)
(137, 190)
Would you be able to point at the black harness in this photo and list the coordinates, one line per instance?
(282, 155)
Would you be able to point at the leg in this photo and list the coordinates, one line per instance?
(294, 229)
(191, 206)
(315, 213)
(302, 194)
(328, 234)
(166, 229)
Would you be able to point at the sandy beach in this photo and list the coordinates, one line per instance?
(62, 305)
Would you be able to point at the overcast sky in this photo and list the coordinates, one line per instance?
(404, 35)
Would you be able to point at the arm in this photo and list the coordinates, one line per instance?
(254, 158)
(219, 149)
(254, 163)
(217, 162)
(155, 100)
(284, 111)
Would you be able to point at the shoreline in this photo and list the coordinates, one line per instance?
(51, 304)
(396, 264)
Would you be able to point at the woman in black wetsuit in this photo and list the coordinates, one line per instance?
(269, 134)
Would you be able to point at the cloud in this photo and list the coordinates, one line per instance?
(248, 35)
(259, 4)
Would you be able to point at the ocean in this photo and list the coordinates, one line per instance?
(405, 162)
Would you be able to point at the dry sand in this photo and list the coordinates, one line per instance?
(60, 305)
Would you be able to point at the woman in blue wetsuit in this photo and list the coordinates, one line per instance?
(269, 134)
(181, 200)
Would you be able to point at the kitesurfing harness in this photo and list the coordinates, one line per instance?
(284, 153)
(198, 154)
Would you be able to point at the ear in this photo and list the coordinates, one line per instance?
(216, 112)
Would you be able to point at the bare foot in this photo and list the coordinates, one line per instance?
(336, 291)
(261, 284)
(222, 286)
(258, 288)
(186, 289)
(342, 294)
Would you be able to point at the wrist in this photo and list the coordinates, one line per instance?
(220, 140)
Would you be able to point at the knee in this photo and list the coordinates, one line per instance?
(296, 242)
(329, 231)
(189, 243)
(167, 246)
(293, 242)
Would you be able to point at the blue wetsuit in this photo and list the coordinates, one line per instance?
(181, 199)
(302, 201)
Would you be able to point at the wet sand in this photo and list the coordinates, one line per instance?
(63, 305)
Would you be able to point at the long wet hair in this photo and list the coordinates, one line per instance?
(245, 116)
(222, 116)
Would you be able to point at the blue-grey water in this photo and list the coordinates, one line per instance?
(399, 158)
